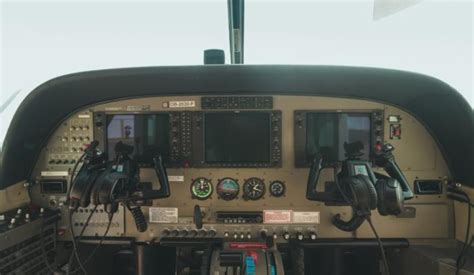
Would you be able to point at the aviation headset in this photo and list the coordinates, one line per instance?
(386, 196)
(101, 182)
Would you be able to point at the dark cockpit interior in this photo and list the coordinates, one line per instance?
(239, 169)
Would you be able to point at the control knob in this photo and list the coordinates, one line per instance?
(12, 223)
(202, 233)
(174, 233)
(299, 236)
(212, 232)
(286, 235)
(183, 233)
(165, 232)
(193, 233)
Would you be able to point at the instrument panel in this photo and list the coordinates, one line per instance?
(243, 160)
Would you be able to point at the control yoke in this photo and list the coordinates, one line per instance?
(111, 182)
(384, 159)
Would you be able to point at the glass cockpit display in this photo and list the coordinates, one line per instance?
(149, 134)
(237, 137)
(327, 132)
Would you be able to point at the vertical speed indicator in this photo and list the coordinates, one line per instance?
(201, 188)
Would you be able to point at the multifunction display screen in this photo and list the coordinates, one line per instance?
(237, 137)
(326, 134)
(149, 134)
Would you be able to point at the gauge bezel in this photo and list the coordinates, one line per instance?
(236, 195)
(197, 197)
(277, 182)
(246, 196)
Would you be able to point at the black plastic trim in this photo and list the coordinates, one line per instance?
(445, 113)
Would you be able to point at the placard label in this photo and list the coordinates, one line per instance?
(54, 173)
(276, 216)
(137, 108)
(176, 178)
(306, 217)
(182, 104)
(163, 214)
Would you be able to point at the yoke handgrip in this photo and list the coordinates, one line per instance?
(314, 171)
(160, 171)
(386, 160)
(164, 191)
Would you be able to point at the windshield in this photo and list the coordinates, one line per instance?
(42, 40)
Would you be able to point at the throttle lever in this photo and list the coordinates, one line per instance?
(197, 217)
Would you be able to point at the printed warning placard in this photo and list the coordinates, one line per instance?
(276, 216)
(306, 217)
(163, 214)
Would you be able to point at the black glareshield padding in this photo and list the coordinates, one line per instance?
(386, 159)
(390, 197)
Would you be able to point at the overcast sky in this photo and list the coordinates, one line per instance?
(43, 40)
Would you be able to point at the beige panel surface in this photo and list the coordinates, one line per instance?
(417, 154)
(13, 196)
(430, 222)
(461, 212)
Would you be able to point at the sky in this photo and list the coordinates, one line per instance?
(41, 40)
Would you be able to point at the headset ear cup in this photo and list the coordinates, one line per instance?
(390, 197)
(111, 181)
(399, 200)
(96, 189)
(380, 187)
(370, 189)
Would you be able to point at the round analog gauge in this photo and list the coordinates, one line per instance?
(277, 188)
(201, 188)
(227, 189)
(254, 188)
